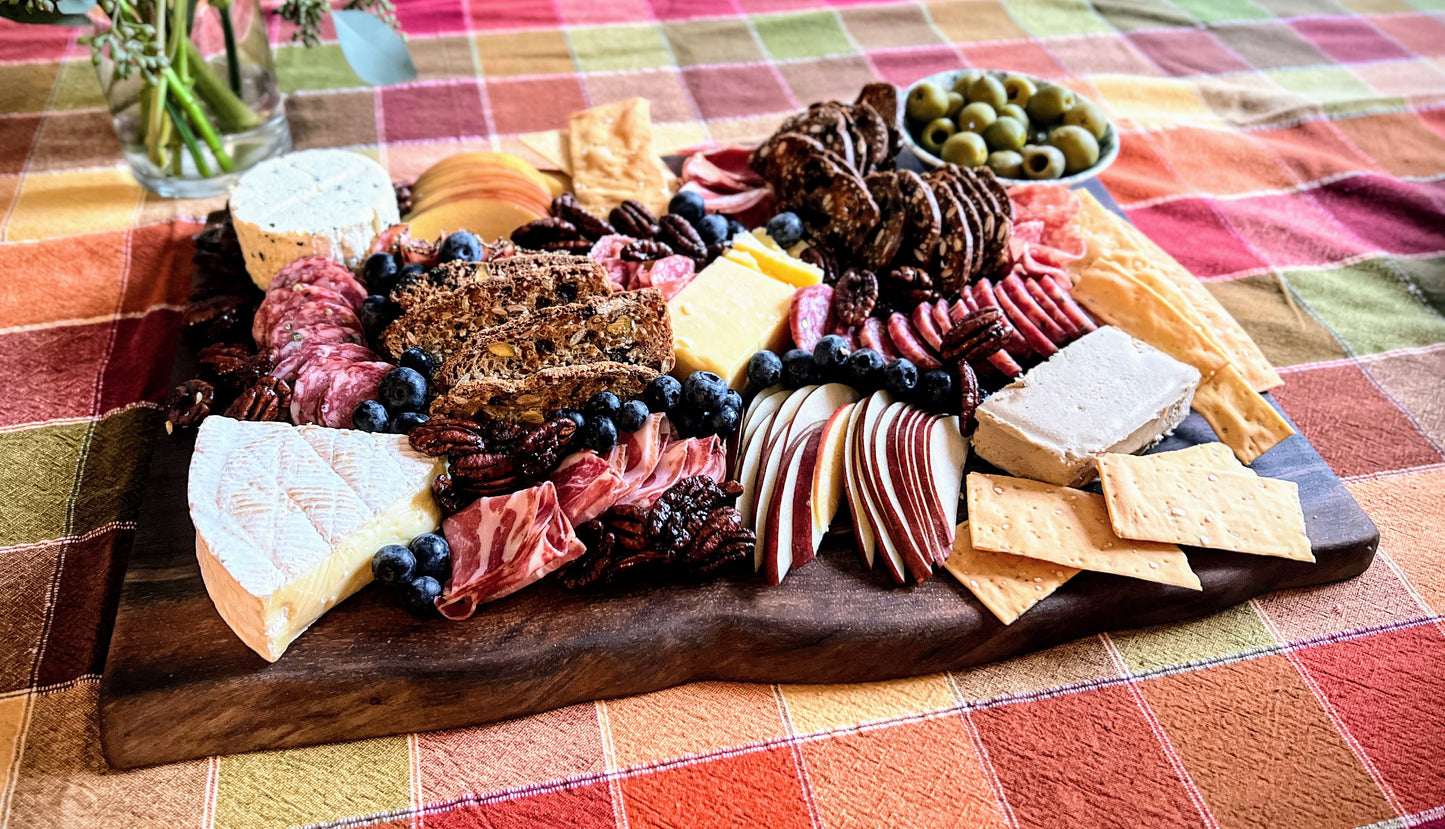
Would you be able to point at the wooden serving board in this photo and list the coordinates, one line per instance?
(179, 685)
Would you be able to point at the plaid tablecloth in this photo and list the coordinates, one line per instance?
(1290, 153)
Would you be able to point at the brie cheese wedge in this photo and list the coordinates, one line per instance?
(288, 518)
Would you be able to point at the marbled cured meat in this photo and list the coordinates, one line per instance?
(313, 378)
(588, 484)
(349, 386)
(502, 544)
(681, 459)
(298, 306)
(305, 343)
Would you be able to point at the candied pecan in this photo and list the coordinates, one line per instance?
(623, 564)
(714, 251)
(266, 399)
(975, 337)
(541, 450)
(449, 499)
(188, 404)
(854, 296)
(824, 258)
(681, 236)
(221, 318)
(548, 229)
(402, 189)
(644, 250)
(566, 207)
(720, 541)
(590, 568)
(678, 513)
(499, 433)
(629, 523)
(577, 247)
(970, 396)
(483, 469)
(233, 367)
(447, 436)
(634, 219)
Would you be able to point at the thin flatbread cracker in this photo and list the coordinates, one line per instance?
(614, 158)
(1214, 457)
(1006, 584)
(1064, 526)
(1165, 502)
(1241, 419)
(552, 146)
(1120, 299)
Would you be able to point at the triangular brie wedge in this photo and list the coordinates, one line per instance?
(288, 518)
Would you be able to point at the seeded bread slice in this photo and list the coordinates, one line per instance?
(630, 327)
(530, 399)
(443, 323)
(444, 278)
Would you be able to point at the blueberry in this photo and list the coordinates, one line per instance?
(723, 422)
(433, 556)
(764, 369)
(421, 594)
(460, 246)
(370, 416)
(403, 423)
(419, 361)
(632, 415)
(799, 369)
(380, 273)
(599, 433)
(572, 415)
(375, 315)
(687, 421)
(662, 394)
(900, 376)
(410, 275)
(735, 227)
(864, 369)
(393, 565)
(713, 229)
(830, 354)
(935, 390)
(733, 400)
(704, 390)
(688, 205)
(603, 403)
(403, 390)
(786, 229)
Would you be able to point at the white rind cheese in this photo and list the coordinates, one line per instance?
(329, 203)
(287, 519)
(1105, 392)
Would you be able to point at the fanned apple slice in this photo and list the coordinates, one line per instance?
(789, 514)
(909, 449)
(865, 538)
(757, 463)
(910, 542)
(950, 453)
(827, 485)
(863, 478)
(760, 410)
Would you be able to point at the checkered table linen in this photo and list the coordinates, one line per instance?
(1290, 153)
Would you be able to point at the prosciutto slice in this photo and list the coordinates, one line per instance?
(588, 484)
(682, 459)
(502, 544)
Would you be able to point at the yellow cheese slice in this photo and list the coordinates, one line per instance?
(777, 263)
(742, 258)
(1244, 421)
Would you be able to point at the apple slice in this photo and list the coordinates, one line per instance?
(755, 464)
(827, 485)
(862, 476)
(762, 407)
(908, 541)
(950, 453)
(865, 538)
(789, 514)
(908, 459)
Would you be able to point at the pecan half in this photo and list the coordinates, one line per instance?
(266, 399)
(823, 258)
(540, 451)
(232, 366)
(590, 568)
(538, 233)
(644, 250)
(485, 472)
(854, 296)
(448, 498)
(975, 337)
(223, 318)
(188, 404)
(629, 523)
(720, 542)
(679, 512)
(905, 287)
(681, 236)
(447, 436)
(970, 396)
(566, 207)
(632, 218)
(578, 247)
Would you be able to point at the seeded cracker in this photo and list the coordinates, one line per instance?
(1006, 584)
(1243, 513)
(1214, 457)
(1064, 526)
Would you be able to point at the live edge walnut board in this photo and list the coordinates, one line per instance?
(179, 685)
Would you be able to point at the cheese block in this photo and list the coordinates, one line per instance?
(1104, 392)
(725, 316)
(288, 518)
(329, 203)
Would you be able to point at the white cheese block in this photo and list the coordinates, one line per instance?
(1105, 392)
(329, 203)
(288, 518)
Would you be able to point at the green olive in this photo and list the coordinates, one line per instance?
(987, 90)
(1043, 162)
(1015, 112)
(1019, 89)
(1090, 117)
(976, 117)
(1049, 104)
(1005, 134)
(926, 102)
(965, 80)
(955, 103)
(1078, 146)
(931, 137)
(966, 149)
(1006, 164)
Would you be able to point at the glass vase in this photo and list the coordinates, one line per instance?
(190, 128)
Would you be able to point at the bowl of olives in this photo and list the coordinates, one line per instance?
(1022, 127)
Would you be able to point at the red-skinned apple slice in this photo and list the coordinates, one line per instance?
(828, 486)
(862, 478)
(865, 538)
(909, 452)
(950, 453)
(764, 404)
(753, 468)
(785, 517)
(909, 542)
(922, 319)
(1015, 292)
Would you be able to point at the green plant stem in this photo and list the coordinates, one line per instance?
(231, 111)
(180, 34)
(156, 130)
(202, 165)
(233, 62)
(198, 119)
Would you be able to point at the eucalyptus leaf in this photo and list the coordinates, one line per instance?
(59, 17)
(375, 51)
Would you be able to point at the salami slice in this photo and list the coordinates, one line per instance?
(1031, 334)
(607, 252)
(873, 335)
(668, 275)
(1046, 302)
(301, 304)
(348, 387)
(1066, 303)
(905, 339)
(1013, 288)
(315, 374)
(811, 316)
(291, 355)
(324, 273)
(923, 323)
(941, 317)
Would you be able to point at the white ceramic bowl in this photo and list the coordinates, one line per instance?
(1108, 146)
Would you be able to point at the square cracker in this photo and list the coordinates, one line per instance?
(1006, 584)
(1149, 500)
(1064, 526)
(1215, 457)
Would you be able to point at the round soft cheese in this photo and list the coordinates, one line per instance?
(329, 203)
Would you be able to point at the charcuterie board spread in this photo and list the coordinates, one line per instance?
(800, 413)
